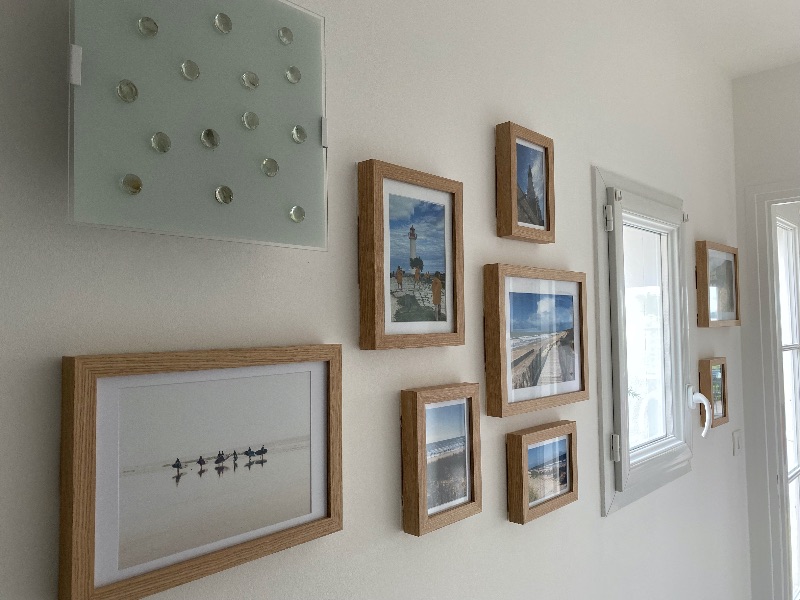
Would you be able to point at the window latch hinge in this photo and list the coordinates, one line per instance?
(608, 213)
(616, 453)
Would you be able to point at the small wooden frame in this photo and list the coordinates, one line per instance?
(526, 481)
(461, 403)
(521, 214)
(404, 309)
(717, 285)
(509, 370)
(96, 387)
(714, 386)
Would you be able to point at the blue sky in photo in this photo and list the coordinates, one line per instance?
(546, 453)
(428, 221)
(445, 422)
(527, 157)
(541, 313)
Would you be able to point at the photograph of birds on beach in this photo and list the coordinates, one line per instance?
(447, 454)
(548, 473)
(204, 461)
(542, 339)
(418, 260)
(531, 185)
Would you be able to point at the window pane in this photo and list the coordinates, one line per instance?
(794, 507)
(645, 316)
(787, 283)
(790, 364)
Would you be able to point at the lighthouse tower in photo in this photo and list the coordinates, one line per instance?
(412, 237)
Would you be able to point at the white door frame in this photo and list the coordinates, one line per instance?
(763, 395)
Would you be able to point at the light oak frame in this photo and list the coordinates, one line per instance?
(78, 467)
(416, 520)
(705, 365)
(519, 510)
(702, 284)
(371, 272)
(508, 225)
(494, 326)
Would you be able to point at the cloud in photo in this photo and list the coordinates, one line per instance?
(428, 221)
(541, 313)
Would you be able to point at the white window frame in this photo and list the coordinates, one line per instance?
(627, 476)
(787, 477)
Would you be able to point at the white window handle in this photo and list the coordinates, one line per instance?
(696, 398)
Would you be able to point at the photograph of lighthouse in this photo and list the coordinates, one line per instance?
(531, 185)
(410, 258)
(418, 290)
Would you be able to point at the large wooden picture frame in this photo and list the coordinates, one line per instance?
(714, 386)
(538, 358)
(717, 285)
(111, 399)
(524, 172)
(410, 258)
(542, 470)
(438, 451)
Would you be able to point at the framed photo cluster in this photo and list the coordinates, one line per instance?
(177, 465)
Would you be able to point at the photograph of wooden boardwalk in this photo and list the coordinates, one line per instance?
(542, 340)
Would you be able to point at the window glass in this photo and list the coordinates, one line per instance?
(790, 407)
(787, 284)
(645, 311)
(794, 508)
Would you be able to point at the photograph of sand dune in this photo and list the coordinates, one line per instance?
(446, 455)
(548, 472)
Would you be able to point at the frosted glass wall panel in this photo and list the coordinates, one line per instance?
(113, 137)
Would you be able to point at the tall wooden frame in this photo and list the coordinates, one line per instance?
(495, 342)
(517, 443)
(703, 284)
(508, 223)
(79, 469)
(707, 389)
(416, 519)
(371, 269)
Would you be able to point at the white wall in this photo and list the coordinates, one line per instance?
(766, 116)
(421, 84)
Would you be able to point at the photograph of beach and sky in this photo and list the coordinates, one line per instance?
(447, 454)
(548, 471)
(203, 461)
(418, 260)
(531, 185)
(542, 339)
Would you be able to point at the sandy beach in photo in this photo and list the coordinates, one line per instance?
(159, 517)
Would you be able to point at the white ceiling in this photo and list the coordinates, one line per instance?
(743, 36)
